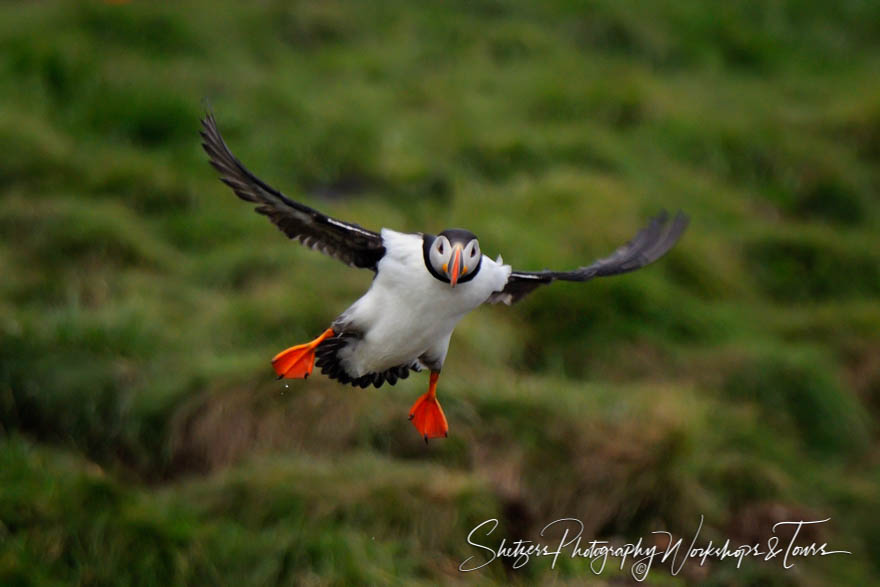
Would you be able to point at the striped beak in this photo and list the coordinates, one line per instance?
(454, 271)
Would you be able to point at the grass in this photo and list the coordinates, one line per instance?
(144, 440)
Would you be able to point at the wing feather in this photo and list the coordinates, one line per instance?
(348, 242)
(651, 243)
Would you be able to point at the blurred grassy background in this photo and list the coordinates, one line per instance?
(143, 439)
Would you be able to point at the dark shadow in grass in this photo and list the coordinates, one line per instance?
(343, 186)
(801, 388)
(797, 268)
(828, 198)
(151, 28)
(149, 116)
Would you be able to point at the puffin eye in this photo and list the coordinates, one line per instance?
(474, 252)
(440, 248)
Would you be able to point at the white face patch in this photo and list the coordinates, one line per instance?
(471, 255)
(441, 253)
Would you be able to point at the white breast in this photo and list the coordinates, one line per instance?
(407, 312)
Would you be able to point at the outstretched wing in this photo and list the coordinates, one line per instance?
(651, 243)
(345, 241)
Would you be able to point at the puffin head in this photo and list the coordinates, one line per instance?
(453, 256)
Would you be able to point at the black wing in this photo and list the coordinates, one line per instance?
(347, 242)
(651, 243)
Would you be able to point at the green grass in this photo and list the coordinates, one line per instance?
(144, 439)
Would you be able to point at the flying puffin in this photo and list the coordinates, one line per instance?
(423, 285)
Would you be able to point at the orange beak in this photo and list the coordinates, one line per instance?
(455, 269)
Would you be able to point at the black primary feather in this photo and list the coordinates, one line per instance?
(651, 243)
(348, 242)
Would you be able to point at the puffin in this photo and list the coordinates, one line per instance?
(423, 285)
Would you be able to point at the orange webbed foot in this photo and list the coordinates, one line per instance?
(427, 415)
(298, 361)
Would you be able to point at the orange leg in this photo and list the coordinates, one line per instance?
(427, 415)
(297, 361)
